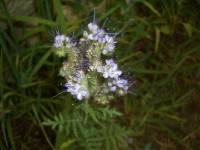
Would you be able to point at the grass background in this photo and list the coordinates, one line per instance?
(158, 46)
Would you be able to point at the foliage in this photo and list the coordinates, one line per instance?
(90, 127)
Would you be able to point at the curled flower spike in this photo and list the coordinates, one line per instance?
(88, 74)
(99, 35)
(77, 90)
(77, 87)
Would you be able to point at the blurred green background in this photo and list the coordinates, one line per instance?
(158, 46)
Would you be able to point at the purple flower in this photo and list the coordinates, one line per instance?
(110, 70)
(89, 50)
(75, 87)
(118, 83)
(58, 41)
(99, 35)
(121, 83)
(93, 27)
(61, 41)
(77, 90)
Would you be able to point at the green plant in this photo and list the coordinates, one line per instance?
(89, 127)
(158, 43)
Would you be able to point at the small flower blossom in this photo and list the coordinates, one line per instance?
(110, 45)
(62, 41)
(108, 49)
(118, 83)
(77, 90)
(93, 27)
(99, 35)
(109, 70)
(59, 41)
(121, 83)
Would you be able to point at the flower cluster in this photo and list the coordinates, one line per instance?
(63, 44)
(99, 35)
(88, 74)
(110, 71)
(77, 88)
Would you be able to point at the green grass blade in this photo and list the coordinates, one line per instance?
(31, 20)
(10, 134)
(109, 12)
(151, 7)
(157, 31)
(42, 128)
(60, 16)
(8, 57)
(40, 63)
(31, 32)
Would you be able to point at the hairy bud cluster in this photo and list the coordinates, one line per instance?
(88, 74)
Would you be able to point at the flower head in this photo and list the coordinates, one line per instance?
(87, 72)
